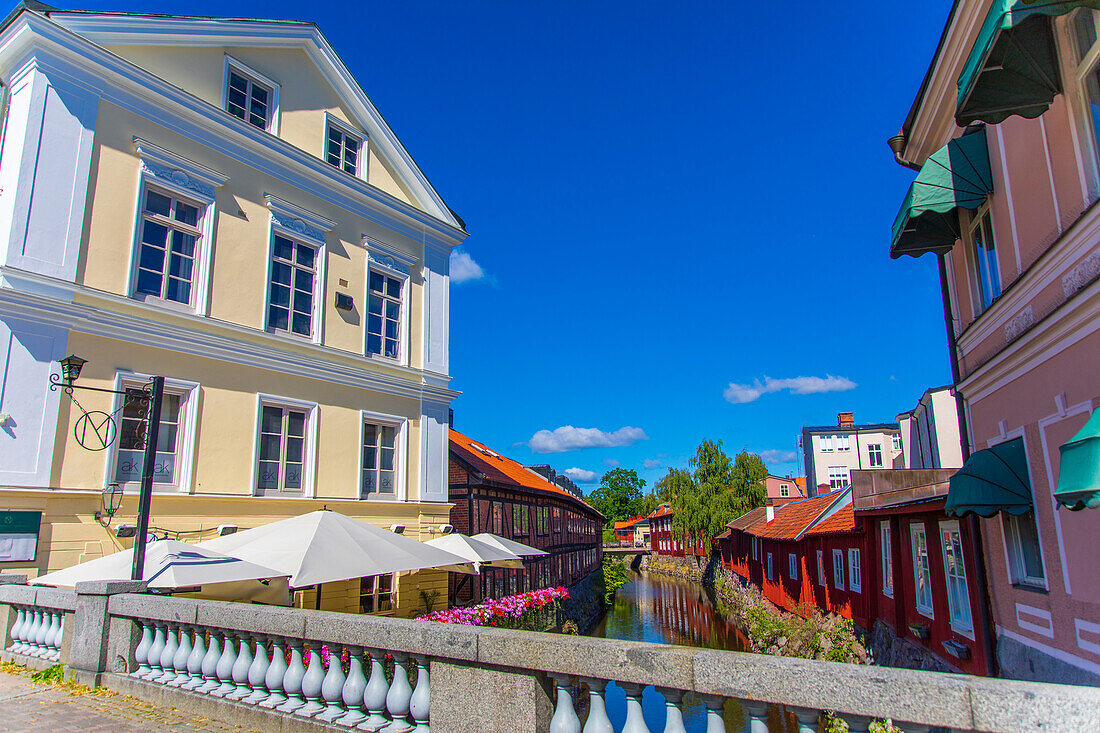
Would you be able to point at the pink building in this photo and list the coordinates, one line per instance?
(1005, 134)
(785, 488)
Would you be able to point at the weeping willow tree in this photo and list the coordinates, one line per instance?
(717, 491)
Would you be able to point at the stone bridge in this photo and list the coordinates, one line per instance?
(264, 667)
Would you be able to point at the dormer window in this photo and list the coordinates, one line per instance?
(343, 149)
(251, 96)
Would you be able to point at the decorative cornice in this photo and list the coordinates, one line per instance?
(388, 257)
(1080, 276)
(53, 302)
(177, 170)
(298, 220)
(1019, 323)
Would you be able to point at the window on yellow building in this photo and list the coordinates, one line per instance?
(251, 96)
(291, 292)
(131, 440)
(343, 148)
(169, 237)
(384, 315)
(283, 451)
(376, 594)
(379, 459)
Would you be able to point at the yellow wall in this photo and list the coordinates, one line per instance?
(70, 534)
(304, 95)
(242, 227)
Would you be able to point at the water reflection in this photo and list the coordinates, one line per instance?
(664, 610)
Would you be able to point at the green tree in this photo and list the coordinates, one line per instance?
(718, 491)
(619, 495)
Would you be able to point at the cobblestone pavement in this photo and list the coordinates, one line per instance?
(26, 705)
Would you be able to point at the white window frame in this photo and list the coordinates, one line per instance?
(309, 465)
(1073, 82)
(361, 168)
(872, 449)
(400, 455)
(176, 176)
(300, 225)
(844, 443)
(826, 443)
(394, 263)
(951, 527)
(792, 566)
(838, 569)
(977, 289)
(821, 569)
(771, 568)
(886, 553)
(1014, 550)
(846, 480)
(855, 571)
(185, 440)
(232, 64)
(917, 529)
(896, 439)
(784, 490)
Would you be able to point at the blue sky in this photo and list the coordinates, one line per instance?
(663, 199)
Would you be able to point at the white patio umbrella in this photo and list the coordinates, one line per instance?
(326, 546)
(516, 548)
(476, 552)
(171, 565)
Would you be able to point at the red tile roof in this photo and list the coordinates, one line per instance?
(844, 520)
(660, 511)
(791, 519)
(748, 519)
(496, 467)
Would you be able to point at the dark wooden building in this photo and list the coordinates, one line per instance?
(495, 494)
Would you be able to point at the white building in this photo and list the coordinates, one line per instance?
(930, 431)
(832, 452)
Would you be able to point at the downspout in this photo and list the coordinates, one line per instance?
(972, 521)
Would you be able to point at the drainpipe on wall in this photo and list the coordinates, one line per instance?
(972, 521)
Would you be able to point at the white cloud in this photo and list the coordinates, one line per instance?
(582, 476)
(740, 393)
(567, 438)
(779, 456)
(463, 268)
(611, 463)
(651, 463)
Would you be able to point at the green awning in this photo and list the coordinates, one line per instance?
(955, 176)
(1013, 66)
(993, 480)
(1079, 474)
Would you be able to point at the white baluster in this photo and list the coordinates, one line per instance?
(224, 670)
(807, 719)
(292, 680)
(565, 718)
(40, 635)
(194, 662)
(674, 716)
(179, 661)
(257, 673)
(141, 653)
(17, 629)
(635, 722)
(332, 688)
(397, 699)
(168, 655)
(421, 701)
(241, 666)
(155, 670)
(273, 680)
(597, 722)
(53, 637)
(374, 696)
(755, 712)
(312, 682)
(210, 666)
(354, 687)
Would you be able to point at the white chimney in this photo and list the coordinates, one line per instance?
(769, 512)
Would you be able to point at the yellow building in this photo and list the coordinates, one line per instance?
(219, 203)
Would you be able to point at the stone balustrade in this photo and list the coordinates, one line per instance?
(266, 667)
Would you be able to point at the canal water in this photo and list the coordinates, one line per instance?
(664, 610)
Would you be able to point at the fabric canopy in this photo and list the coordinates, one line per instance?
(993, 480)
(168, 565)
(516, 548)
(1079, 472)
(476, 552)
(1013, 66)
(955, 176)
(325, 546)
